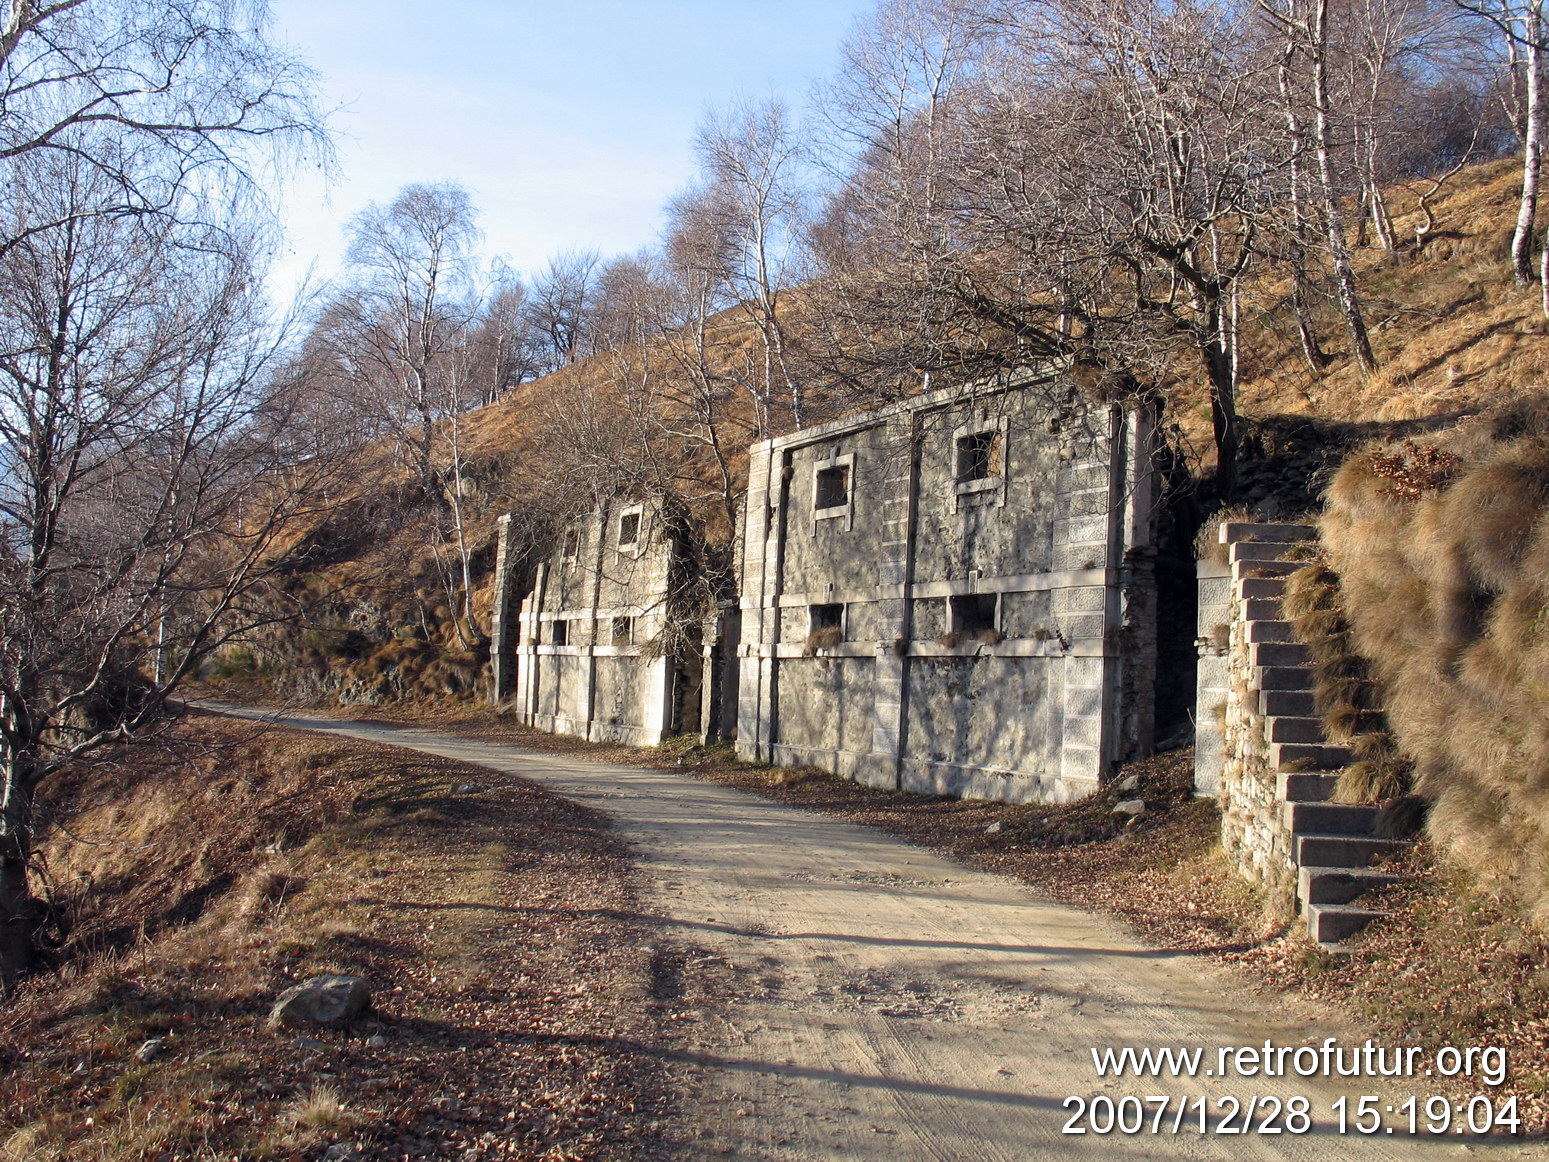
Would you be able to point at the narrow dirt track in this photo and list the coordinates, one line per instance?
(878, 1002)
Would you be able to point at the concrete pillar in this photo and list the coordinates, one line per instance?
(890, 675)
(1214, 676)
(718, 688)
(760, 604)
(528, 662)
(503, 622)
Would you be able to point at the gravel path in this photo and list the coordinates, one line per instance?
(866, 999)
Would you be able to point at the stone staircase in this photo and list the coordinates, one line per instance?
(1331, 844)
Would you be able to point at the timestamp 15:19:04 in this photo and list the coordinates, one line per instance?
(1431, 1115)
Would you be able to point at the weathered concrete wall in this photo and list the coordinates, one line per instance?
(966, 617)
(582, 657)
(502, 631)
(1213, 678)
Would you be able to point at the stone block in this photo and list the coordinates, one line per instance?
(1083, 599)
(1216, 591)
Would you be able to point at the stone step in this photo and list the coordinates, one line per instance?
(1342, 850)
(1262, 589)
(1276, 678)
(1310, 756)
(1284, 728)
(1339, 885)
(1265, 551)
(1233, 531)
(1305, 786)
(1328, 818)
(1333, 923)
(1294, 703)
(1270, 631)
(1245, 571)
(1266, 654)
(1261, 608)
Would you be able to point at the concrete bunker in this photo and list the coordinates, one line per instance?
(596, 648)
(954, 594)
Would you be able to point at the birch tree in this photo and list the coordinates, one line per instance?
(396, 330)
(142, 503)
(750, 161)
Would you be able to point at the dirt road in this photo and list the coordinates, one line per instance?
(874, 1001)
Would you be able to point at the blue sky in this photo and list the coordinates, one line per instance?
(570, 124)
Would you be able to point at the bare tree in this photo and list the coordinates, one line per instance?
(194, 82)
(633, 303)
(752, 210)
(141, 505)
(396, 331)
(559, 304)
(1522, 24)
(1101, 180)
(1305, 86)
(506, 350)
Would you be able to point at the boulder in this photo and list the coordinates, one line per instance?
(151, 1050)
(1130, 807)
(328, 999)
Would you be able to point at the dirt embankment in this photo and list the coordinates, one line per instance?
(517, 998)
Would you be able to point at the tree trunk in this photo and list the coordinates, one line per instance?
(1532, 152)
(1300, 240)
(19, 912)
(1344, 270)
(1220, 367)
(1382, 219)
(1543, 290)
(1312, 350)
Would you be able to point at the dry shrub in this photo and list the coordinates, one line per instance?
(320, 1109)
(22, 1145)
(1372, 781)
(1344, 721)
(1307, 591)
(1344, 695)
(1442, 553)
(822, 639)
(1207, 542)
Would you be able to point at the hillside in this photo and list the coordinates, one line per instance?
(381, 577)
(1453, 335)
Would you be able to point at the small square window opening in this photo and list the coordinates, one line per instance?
(826, 616)
(978, 456)
(833, 487)
(572, 544)
(825, 627)
(973, 614)
(559, 632)
(629, 529)
(623, 631)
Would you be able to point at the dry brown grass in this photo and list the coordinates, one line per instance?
(1344, 695)
(1444, 576)
(822, 639)
(203, 886)
(320, 1108)
(1449, 328)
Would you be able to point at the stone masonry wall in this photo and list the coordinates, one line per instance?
(582, 665)
(1253, 834)
(990, 637)
(1252, 660)
(1213, 677)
